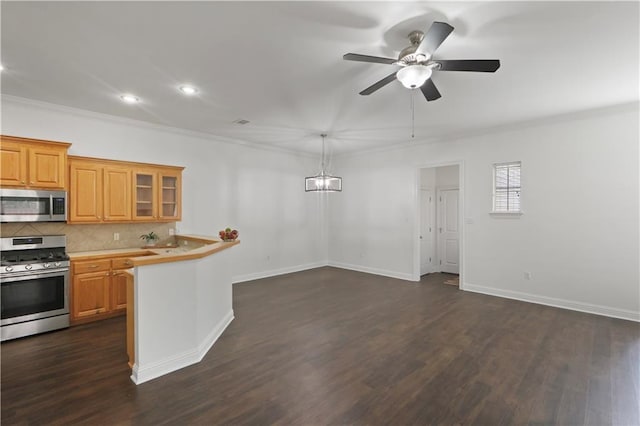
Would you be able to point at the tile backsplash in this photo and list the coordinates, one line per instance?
(91, 237)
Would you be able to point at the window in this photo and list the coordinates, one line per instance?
(506, 188)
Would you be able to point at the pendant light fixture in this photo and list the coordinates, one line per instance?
(323, 182)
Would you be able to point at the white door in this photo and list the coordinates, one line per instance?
(427, 227)
(448, 234)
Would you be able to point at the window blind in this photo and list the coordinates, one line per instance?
(506, 194)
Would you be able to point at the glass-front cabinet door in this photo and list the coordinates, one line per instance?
(169, 195)
(157, 194)
(145, 195)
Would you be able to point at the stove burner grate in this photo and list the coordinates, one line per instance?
(18, 257)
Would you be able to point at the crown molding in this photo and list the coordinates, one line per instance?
(147, 125)
(507, 127)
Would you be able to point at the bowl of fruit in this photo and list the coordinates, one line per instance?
(228, 234)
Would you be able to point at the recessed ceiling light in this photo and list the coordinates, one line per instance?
(188, 89)
(130, 99)
(1, 68)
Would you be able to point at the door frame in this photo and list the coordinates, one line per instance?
(461, 215)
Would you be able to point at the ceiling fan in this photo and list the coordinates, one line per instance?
(418, 64)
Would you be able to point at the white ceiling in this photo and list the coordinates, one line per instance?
(279, 65)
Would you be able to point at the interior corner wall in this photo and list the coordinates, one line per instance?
(258, 191)
(578, 236)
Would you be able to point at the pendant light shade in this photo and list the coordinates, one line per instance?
(323, 182)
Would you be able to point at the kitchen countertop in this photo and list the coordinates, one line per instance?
(160, 254)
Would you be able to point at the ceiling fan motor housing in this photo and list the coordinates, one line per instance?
(408, 55)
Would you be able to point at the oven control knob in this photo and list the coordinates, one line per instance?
(46, 265)
(28, 267)
(9, 268)
(57, 264)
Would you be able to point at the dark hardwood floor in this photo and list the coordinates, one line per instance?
(329, 347)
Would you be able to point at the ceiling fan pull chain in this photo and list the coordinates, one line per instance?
(413, 114)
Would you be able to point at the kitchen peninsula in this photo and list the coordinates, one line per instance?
(179, 301)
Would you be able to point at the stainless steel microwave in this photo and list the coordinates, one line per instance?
(26, 205)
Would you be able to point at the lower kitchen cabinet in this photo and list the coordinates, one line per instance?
(90, 294)
(118, 290)
(99, 289)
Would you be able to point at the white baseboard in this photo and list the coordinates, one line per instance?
(375, 271)
(214, 335)
(168, 365)
(274, 272)
(555, 302)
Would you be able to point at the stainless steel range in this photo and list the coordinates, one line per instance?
(34, 279)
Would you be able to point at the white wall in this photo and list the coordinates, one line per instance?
(260, 192)
(428, 178)
(578, 235)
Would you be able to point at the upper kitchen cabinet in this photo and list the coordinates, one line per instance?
(118, 191)
(158, 194)
(100, 191)
(32, 163)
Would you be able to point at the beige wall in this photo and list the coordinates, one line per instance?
(91, 237)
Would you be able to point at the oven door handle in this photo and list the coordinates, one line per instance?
(30, 275)
(50, 206)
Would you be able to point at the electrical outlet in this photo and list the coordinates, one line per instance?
(116, 236)
(172, 231)
(528, 276)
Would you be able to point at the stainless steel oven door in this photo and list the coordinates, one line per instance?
(28, 296)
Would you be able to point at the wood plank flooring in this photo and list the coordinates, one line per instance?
(331, 347)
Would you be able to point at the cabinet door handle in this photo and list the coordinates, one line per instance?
(22, 182)
(92, 266)
(31, 182)
(128, 262)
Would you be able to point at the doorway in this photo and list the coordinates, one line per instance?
(439, 221)
(448, 235)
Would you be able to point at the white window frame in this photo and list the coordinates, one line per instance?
(494, 185)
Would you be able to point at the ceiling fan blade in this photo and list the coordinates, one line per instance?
(434, 37)
(430, 91)
(479, 65)
(367, 58)
(377, 85)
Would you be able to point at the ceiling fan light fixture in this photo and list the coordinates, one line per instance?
(414, 76)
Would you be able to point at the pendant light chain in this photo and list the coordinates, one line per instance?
(323, 136)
